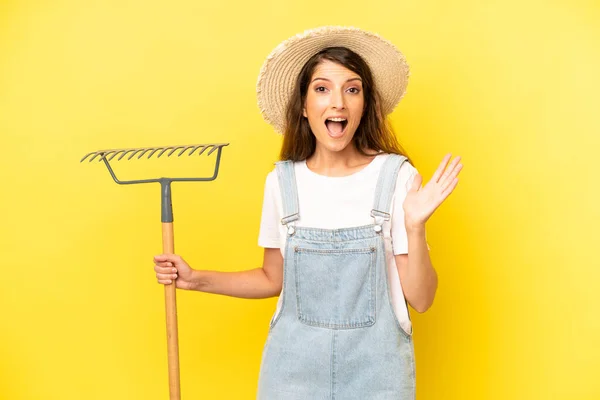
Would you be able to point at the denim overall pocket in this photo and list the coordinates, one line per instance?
(336, 288)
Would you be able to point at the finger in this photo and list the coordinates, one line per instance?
(440, 169)
(165, 270)
(164, 264)
(446, 192)
(167, 258)
(449, 173)
(160, 258)
(165, 282)
(165, 277)
(450, 178)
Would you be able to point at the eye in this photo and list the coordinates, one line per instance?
(354, 90)
(318, 88)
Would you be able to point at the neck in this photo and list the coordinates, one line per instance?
(337, 163)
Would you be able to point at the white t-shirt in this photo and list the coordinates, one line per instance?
(342, 202)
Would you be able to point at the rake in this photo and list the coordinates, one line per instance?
(167, 227)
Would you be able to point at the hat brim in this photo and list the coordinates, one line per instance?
(280, 70)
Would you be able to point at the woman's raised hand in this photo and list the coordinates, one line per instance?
(421, 202)
(171, 267)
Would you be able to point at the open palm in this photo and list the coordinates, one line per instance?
(421, 202)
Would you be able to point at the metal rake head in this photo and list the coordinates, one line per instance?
(167, 210)
(141, 151)
(107, 155)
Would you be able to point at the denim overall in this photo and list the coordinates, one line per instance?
(336, 335)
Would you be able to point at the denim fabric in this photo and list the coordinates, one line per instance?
(336, 335)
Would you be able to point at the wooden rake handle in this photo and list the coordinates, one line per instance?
(171, 313)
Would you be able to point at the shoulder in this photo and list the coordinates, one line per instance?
(271, 182)
(407, 170)
(406, 173)
(273, 175)
(405, 177)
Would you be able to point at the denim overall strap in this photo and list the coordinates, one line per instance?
(385, 188)
(289, 191)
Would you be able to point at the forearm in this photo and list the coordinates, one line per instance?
(421, 280)
(251, 284)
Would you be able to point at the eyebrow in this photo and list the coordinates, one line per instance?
(328, 80)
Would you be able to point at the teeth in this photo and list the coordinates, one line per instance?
(336, 119)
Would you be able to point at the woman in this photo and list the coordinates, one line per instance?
(343, 224)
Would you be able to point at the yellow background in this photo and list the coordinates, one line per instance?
(511, 86)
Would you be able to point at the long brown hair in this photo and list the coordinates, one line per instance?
(374, 131)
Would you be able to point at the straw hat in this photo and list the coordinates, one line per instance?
(281, 68)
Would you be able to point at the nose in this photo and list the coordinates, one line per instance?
(337, 99)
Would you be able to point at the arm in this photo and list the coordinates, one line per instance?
(418, 277)
(256, 283)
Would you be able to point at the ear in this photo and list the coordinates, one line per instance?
(304, 112)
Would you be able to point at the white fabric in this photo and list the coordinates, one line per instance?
(342, 202)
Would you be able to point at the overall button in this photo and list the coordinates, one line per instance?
(377, 228)
(291, 230)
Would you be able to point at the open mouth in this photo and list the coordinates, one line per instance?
(336, 126)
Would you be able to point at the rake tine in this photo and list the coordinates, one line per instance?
(154, 151)
(163, 152)
(175, 149)
(121, 153)
(213, 149)
(184, 149)
(112, 153)
(144, 152)
(96, 154)
(203, 150)
(124, 154)
(86, 156)
(195, 148)
(134, 153)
